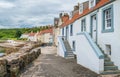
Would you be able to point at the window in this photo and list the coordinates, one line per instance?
(73, 45)
(92, 3)
(108, 19)
(83, 25)
(81, 8)
(71, 30)
(63, 31)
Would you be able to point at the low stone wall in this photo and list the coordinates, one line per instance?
(12, 64)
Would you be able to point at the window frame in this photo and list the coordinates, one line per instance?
(83, 27)
(73, 45)
(62, 31)
(71, 30)
(106, 29)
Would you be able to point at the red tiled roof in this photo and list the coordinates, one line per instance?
(46, 31)
(85, 12)
(32, 34)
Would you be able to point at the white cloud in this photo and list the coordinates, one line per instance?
(6, 4)
(28, 13)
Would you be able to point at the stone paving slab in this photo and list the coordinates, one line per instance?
(49, 64)
(114, 75)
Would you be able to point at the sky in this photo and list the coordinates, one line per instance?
(31, 13)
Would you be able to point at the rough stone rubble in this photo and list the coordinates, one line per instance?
(12, 64)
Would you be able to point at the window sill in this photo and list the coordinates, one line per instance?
(107, 30)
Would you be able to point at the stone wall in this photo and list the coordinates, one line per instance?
(12, 64)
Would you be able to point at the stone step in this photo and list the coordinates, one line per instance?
(67, 46)
(109, 63)
(111, 72)
(69, 54)
(69, 57)
(106, 68)
(106, 56)
(107, 59)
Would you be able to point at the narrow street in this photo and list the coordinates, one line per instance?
(49, 64)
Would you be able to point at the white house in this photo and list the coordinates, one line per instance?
(92, 34)
(32, 37)
(45, 36)
(25, 35)
(63, 17)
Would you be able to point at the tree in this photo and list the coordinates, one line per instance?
(18, 34)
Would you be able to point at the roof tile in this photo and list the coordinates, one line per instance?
(85, 12)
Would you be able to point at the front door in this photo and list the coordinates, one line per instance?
(108, 50)
(67, 33)
(94, 27)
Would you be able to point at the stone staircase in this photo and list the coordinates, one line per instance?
(68, 54)
(109, 67)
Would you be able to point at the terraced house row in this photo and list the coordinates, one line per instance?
(91, 33)
(43, 36)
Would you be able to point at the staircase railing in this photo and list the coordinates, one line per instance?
(93, 44)
(91, 50)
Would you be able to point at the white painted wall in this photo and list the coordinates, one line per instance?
(60, 48)
(86, 55)
(112, 38)
(48, 38)
(31, 38)
(24, 36)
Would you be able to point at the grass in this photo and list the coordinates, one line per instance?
(2, 50)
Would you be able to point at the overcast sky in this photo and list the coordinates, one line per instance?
(29, 13)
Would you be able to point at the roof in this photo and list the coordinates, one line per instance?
(32, 34)
(85, 12)
(46, 31)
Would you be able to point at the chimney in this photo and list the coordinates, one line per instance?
(76, 7)
(56, 20)
(76, 10)
(65, 17)
(60, 15)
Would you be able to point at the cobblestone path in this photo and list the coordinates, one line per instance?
(49, 64)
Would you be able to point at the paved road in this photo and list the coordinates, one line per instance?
(49, 64)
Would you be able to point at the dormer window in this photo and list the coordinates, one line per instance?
(70, 14)
(92, 3)
(81, 8)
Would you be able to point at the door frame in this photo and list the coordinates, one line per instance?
(67, 32)
(91, 26)
(109, 53)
